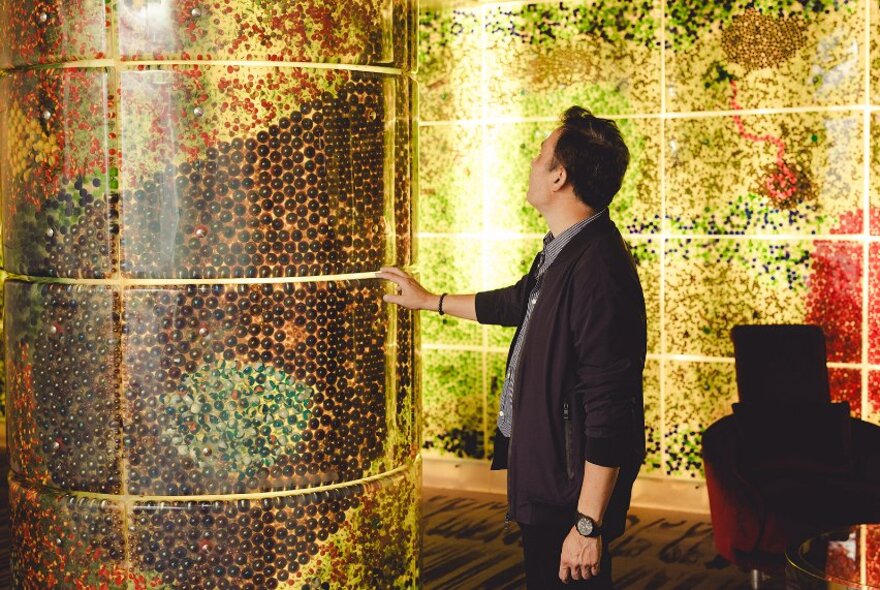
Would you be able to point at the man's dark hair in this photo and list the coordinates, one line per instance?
(593, 154)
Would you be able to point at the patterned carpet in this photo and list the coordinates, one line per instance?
(465, 548)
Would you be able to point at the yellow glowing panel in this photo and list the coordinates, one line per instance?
(875, 53)
(653, 424)
(316, 30)
(60, 541)
(55, 141)
(873, 397)
(696, 394)
(450, 265)
(509, 150)
(65, 426)
(450, 179)
(363, 32)
(874, 303)
(636, 207)
(52, 31)
(453, 403)
(450, 64)
(875, 175)
(763, 57)
(846, 386)
(771, 174)
(95, 535)
(216, 160)
(714, 284)
(496, 365)
(542, 57)
(235, 398)
(646, 253)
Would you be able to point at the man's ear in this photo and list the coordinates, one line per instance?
(559, 178)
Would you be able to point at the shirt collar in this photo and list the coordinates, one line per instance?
(554, 245)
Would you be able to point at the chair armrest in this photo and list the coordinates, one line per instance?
(866, 449)
(737, 510)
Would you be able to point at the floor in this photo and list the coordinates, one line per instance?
(466, 547)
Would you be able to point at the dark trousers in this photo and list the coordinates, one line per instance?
(542, 549)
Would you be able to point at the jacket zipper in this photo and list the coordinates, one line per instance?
(510, 485)
(509, 447)
(510, 441)
(566, 417)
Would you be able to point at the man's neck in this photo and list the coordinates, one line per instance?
(559, 221)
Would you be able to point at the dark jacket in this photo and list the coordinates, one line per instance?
(578, 388)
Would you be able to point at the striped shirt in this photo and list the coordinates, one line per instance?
(552, 248)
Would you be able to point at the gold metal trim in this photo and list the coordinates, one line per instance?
(134, 64)
(128, 498)
(122, 281)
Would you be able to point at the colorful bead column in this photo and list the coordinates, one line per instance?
(205, 387)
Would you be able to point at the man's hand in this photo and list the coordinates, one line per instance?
(580, 557)
(412, 294)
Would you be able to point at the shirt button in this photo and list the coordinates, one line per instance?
(501, 413)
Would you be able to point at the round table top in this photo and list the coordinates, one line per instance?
(845, 559)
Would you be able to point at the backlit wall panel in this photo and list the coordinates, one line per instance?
(205, 387)
(751, 196)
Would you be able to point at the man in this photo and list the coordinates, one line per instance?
(571, 422)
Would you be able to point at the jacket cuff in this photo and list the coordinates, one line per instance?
(485, 307)
(609, 451)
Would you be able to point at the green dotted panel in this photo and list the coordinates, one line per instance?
(697, 394)
(451, 179)
(453, 403)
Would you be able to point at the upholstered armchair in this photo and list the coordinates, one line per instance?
(788, 462)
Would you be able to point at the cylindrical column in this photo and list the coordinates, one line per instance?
(205, 387)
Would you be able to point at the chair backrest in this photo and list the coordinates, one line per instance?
(780, 363)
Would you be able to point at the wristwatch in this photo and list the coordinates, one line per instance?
(586, 526)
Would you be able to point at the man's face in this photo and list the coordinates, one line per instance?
(542, 176)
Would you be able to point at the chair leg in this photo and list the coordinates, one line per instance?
(755, 580)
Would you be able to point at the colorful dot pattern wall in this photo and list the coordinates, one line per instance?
(753, 195)
(205, 387)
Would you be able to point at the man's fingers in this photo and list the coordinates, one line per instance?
(564, 574)
(399, 281)
(393, 271)
(398, 299)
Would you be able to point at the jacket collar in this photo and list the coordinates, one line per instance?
(601, 225)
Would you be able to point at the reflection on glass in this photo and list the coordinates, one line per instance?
(845, 559)
(205, 387)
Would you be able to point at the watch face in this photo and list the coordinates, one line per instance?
(585, 526)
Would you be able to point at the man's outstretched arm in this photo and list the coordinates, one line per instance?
(413, 296)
